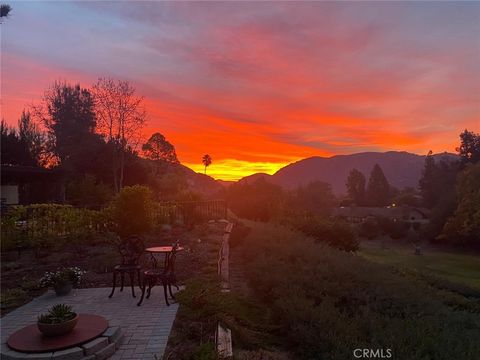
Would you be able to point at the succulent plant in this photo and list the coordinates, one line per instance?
(57, 314)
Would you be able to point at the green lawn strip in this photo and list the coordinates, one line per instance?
(458, 269)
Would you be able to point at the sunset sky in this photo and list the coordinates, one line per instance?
(258, 85)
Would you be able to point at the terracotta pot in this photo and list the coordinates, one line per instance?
(58, 329)
(63, 290)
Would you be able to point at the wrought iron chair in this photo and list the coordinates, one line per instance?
(164, 275)
(131, 249)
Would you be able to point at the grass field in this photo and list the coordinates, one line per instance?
(435, 263)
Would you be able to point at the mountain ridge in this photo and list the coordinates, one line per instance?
(401, 168)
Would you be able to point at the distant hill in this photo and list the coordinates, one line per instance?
(401, 169)
(225, 183)
(254, 177)
(201, 183)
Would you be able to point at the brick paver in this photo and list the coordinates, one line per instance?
(145, 328)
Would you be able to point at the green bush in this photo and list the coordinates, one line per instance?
(238, 234)
(205, 351)
(337, 234)
(13, 298)
(328, 303)
(132, 211)
(395, 229)
(43, 225)
(369, 229)
(88, 192)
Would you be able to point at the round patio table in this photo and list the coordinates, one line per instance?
(167, 250)
(30, 340)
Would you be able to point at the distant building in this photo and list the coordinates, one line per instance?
(23, 185)
(358, 214)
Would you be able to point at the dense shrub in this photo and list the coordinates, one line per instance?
(369, 229)
(337, 233)
(396, 229)
(88, 192)
(132, 210)
(260, 201)
(238, 234)
(328, 303)
(463, 227)
(43, 225)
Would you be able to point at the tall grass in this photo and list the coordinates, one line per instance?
(328, 302)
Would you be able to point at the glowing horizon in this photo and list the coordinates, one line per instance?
(232, 170)
(261, 85)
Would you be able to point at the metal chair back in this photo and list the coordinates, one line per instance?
(131, 250)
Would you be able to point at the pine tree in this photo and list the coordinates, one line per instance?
(356, 186)
(427, 183)
(378, 190)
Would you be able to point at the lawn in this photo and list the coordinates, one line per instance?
(446, 265)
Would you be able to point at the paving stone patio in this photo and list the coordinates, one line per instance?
(145, 328)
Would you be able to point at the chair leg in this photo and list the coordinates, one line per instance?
(170, 291)
(114, 283)
(139, 279)
(122, 274)
(143, 286)
(131, 275)
(150, 285)
(165, 293)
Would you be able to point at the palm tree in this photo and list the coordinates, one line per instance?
(206, 160)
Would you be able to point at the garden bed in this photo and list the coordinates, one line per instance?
(21, 272)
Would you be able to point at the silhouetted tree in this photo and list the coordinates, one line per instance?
(407, 196)
(68, 115)
(261, 200)
(121, 116)
(427, 182)
(22, 146)
(158, 148)
(464, 226)
(315, 198)
(469, 149)
(206, 160)
(378, 190)
(13, 151)
(33, 138)
(356, 186)
(5, 11)
(437, 187)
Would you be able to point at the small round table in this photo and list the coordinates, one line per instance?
(30, 340)
(167, 250)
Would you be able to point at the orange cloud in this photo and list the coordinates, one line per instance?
(259, 86)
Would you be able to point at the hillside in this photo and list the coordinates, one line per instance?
(401, 169)
(200, 183)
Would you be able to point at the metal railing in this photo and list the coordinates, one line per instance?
(190, 212)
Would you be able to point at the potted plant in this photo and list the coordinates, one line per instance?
(62, 280)
(59, 320)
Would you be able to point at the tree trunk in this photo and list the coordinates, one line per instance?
(122, 165)
(115, 182)
(115, 168)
